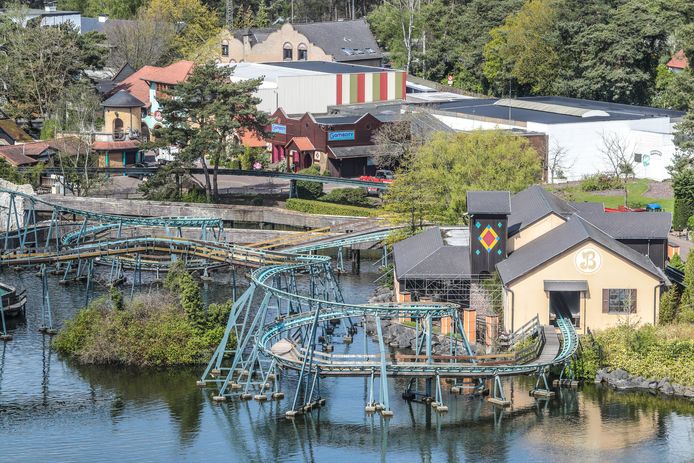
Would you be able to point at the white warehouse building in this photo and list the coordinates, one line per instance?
(576, 126)
(299, 87)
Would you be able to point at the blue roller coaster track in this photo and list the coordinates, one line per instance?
(293, 307)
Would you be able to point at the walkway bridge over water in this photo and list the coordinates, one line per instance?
(292, 309)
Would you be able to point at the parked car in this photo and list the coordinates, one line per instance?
(382, 176)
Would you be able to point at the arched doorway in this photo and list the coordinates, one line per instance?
(118, 128)
(307, 160)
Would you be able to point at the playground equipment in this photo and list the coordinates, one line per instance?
(290, 316)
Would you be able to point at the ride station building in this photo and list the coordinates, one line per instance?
(554, 259)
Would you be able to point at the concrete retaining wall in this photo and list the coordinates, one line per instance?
(5, 202)
(228, 213)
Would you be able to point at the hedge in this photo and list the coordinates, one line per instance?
(318, 207)
(683, 210)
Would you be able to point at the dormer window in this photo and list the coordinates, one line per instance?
(302, 52)
(287, 52)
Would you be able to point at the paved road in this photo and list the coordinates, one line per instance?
(685, 245)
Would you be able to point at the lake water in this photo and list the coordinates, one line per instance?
(53, 410)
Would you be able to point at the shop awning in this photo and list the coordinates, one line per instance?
(566, 285)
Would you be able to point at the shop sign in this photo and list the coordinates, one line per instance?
(279, 128)
(341, 136)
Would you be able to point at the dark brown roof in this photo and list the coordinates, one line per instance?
(11, 128)
(16, 158)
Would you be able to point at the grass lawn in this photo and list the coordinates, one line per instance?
(636, 189)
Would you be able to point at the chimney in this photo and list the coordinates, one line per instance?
(103, 17)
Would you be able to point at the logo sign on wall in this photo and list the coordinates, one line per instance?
(341, 136)
(279, 128)
(588, 260)
(157, 115)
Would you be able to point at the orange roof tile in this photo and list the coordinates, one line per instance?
(303, 143)
(26, 149)
(137, 84)
(678, 61)
(252, 140)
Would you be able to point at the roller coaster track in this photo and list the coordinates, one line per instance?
(277, 324)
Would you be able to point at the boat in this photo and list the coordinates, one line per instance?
(13, 302)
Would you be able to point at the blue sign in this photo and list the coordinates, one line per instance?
(340, 136)
(279, 128)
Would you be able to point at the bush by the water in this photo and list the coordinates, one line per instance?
(653, 352)
(600, 182)
(320, 207)
(348, 196)
(166, 328)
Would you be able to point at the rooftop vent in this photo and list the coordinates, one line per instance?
(551, 108)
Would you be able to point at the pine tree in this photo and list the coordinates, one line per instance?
(262, 18)
(204, 112)
(686, 310)
(669, 303)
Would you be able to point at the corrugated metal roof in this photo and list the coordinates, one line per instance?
(551, 108)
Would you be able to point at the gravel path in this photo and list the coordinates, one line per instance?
(659, 190)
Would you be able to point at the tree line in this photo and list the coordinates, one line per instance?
(607, 50)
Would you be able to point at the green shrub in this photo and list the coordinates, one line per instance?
(600, 182)
(648, 351)
(676, 262)
(319, 207)
(48, 129)
(306, 189)
(636, 203)
(194, 196)
(683, 210)
(151, 330)
(669, 304)
(349, 196)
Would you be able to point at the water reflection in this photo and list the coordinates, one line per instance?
(54, 410)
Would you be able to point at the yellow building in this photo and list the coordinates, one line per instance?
(555, 259)
(342, 41)
(119, 143)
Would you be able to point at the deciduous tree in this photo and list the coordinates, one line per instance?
(433, 186)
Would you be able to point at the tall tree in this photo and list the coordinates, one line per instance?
(37, 65)
(203, 113)
(195, 23)
(143, 41)
(433, 185)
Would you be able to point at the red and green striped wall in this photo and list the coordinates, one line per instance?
(370, 86)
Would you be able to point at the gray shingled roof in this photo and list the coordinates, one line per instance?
(426, 255)
(488, 202)
(574, 232)
(344, 40)
(631, 225)
(533, 204)
(122, 99)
